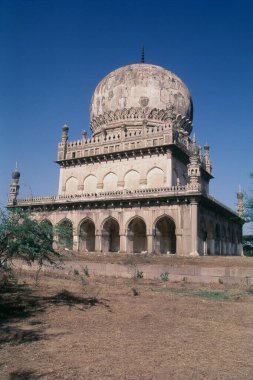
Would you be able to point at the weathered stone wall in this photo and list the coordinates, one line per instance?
(185, 273)
(128, 173)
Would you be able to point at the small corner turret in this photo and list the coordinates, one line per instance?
(194, 167)
(240, 203)
(207, 160)
(14, 187)
(62, 148)
(64, 138)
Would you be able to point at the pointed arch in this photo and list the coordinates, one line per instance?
(86, 235)
(155, 177)
(110, 182)
(132, 179)
(64, 231)
(110, 235)
(202, 236)
(136, 235)
(164, 235)
(90, 184)
(47, 227)
(71, 185)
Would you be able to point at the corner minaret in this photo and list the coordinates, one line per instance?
(14, 187)
(194, 172)
(64, 139)
(207, 160)
(240, 203)
(142, 55)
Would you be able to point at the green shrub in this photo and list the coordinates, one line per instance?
(164, 276)
(135, 291)
(139, 274)
(86, 271)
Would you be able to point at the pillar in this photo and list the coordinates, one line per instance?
(98, 245)
(150, 243)
(194, 228)
(239, 249)
(122, 243)
(75, 240)
(179, 246)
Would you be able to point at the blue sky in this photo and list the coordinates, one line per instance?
(54, 53)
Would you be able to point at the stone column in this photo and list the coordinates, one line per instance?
(194, 228)
(98, 245)
(55, 239)
(239, 251)
(122, 243)
(75, 240)
(179, 246)
(150, 243)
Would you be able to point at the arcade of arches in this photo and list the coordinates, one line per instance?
(213, 238)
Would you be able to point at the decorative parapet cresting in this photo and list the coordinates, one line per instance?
(105, 195)
(135, 114)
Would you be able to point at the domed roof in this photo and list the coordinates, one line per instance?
(141, 86)
(15, 174)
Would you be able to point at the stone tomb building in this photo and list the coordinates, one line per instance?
(140, 183)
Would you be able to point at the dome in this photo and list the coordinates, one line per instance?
(139, 89)
(15, 174)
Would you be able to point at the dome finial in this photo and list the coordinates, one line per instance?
(142, 55)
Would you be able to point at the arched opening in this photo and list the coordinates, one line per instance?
(217, 244)
(202, 237)
(110, 236)
(210, 238)
(87, 236)
(165, 237)
(71, 185)
(90, 184)
(65, 234)
(47, 230)
(110, 182)
(155, 178)
(132, 180)
(136, 236)
(224, 241)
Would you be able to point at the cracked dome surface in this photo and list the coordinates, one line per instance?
(141, 86)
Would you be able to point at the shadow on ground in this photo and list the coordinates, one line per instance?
(23, 302)
(28, 375)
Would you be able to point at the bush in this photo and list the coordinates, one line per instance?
(23, 237)
(135, 292)
(165, 276)
(139, 274)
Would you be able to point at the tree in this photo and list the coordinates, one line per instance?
(247, 242)
(248, 205)
(23, 237)
(248, 239)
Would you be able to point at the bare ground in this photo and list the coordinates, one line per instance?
(96, 328)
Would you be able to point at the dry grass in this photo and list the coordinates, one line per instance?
(98, 329)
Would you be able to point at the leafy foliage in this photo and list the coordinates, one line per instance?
(139, 274)
(164, 276)
(249, 206)
(247, 242)
(23, 237)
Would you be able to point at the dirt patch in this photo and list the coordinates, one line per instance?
(108, 328)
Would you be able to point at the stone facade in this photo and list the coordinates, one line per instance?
(140, 183)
